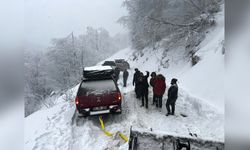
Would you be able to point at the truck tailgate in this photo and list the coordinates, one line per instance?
(91, 101)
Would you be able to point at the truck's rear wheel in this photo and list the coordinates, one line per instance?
(119, 112)
(84, 114)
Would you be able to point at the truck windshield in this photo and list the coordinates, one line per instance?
(97, 87)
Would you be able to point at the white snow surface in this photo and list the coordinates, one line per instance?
(200, 98)
(97, 68)
(206, 79)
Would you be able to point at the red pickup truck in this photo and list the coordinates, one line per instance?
(98, 96)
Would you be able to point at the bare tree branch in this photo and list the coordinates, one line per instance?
(170, 23)
(194, 5)
(158, 20)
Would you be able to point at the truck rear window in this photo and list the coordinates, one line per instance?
(97, 87)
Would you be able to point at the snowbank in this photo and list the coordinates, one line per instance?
(206, 79)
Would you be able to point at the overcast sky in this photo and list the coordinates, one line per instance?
(47, 19)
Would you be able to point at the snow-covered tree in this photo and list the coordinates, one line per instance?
(152, 20)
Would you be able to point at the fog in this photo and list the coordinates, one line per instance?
(46, 19)
(11, 24)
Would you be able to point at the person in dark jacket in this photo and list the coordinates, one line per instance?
(140, 84)
(172, 97)
(125, 77)
(152, 83)
(143, 88)
(135, 82)
(117, 73)
(159, 89)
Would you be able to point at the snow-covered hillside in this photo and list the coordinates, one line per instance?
(204, 81)
(200, 98)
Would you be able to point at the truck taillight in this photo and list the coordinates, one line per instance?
(119, 96)
(77, 101)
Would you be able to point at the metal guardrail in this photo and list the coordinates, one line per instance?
(148, 140)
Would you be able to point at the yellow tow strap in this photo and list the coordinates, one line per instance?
(111, 134)
(123, 136)
(103, 127)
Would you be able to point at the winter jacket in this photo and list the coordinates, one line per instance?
(173, 92)
(159, 85)
(143, 83)
(136, 76)
(152, 80)
(125, 74)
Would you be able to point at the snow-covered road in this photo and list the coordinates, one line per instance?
(60, 128)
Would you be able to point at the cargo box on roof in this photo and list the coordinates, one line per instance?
(109, 63)
(98, 72)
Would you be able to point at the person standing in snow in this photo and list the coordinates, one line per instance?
(140, 84)
(172, 97)
(125, 77)
(151, 82)
(143, 88)
(159, 89)
(135, 82)
(117, 73)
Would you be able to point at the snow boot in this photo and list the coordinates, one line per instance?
(168, 114)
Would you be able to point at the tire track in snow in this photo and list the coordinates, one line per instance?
(84, 132)
(90, 126)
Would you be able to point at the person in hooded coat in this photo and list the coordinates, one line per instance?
(159, 89)
(152, 83)
(125, 77)
(135, 82)
(143, 88)
(172, 97)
